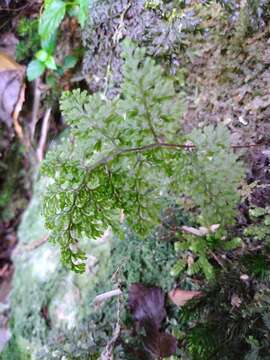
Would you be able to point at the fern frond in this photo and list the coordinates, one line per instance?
(125, 154)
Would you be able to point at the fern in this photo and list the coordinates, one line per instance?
(201, 342)
(201, 248)
(259, 230)
(212, 174)
(126, 154)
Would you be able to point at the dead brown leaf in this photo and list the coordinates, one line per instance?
(11, 89)
(181, 297)
(201, 231)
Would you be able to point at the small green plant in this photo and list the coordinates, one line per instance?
(13, 351)
(194, 253)
(148, 262)
(256, 264)
(12, 185)
(49, 24)
(126, 154)
(260, 229)
(29, 39)
(152, 4)
(216, 326)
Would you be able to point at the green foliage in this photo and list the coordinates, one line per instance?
(201, 248)
(86, 341)
(201, 342)
(14, 351)
(48, 26)
(256, 264)
(29, 39)
(27, 306)
(12, 197)
(51, 18)
(109, 170)
(124, 153)
(148, 262)
(212, 175)
(214, 327)
(69, 62)
(260, 228)
(83, 11)
(35, 69)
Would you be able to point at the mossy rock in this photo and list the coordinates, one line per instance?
(45, 296)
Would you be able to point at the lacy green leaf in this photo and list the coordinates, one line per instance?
(125, 155)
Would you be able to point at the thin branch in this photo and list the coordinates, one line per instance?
(77, 78)
(35, 111)
(118, 34)
(106, 296)
(149, 121)
(217, 259)
(36, 244)
(32, 246)
(44, 133)
(107, 354)
(246, 146)
(124, 151)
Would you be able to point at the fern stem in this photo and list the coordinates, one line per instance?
(156, 145)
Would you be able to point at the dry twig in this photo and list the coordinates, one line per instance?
(30, 247)
(106, 296)
(35, 111)
(107, 353)
(43, 136)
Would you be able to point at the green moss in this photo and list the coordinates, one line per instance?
(147, 261)
(45, 296)
(29, 39)
(15, 350)
(11, 181)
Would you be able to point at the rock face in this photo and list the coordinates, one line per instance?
(152, 24)
(46, 297)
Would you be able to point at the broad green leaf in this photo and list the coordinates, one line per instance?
(73, 11)
(233, 244)
(83, 12)
(49, 44)
(257, 212)
(69, 62)
(50, 63)
(60, 71)
(35, 69)
(47, 3)
(51, 80)
(42, 55)
(51, 18)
